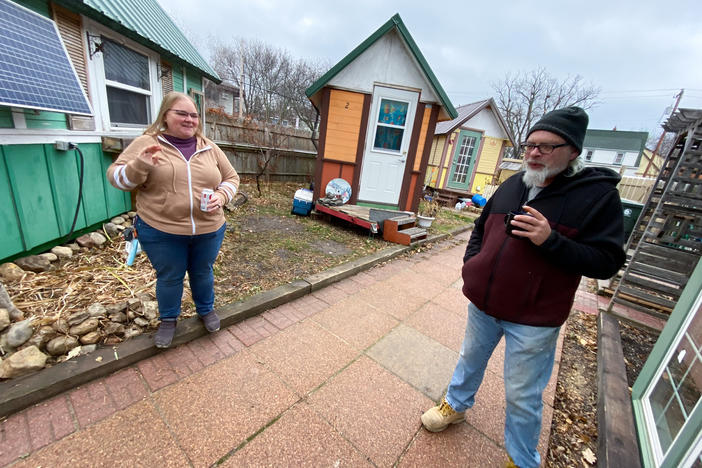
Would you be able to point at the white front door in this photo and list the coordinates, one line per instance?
(385, 155)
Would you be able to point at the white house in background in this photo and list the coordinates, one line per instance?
(618, 150)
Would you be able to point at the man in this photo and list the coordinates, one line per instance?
(566, 222)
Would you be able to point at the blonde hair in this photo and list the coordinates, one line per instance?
(159, 125)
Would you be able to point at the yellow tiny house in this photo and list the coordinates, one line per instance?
(378, 110)
(467, 151)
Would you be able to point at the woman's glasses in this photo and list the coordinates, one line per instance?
(182, 113)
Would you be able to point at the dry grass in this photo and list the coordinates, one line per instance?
(265, 246)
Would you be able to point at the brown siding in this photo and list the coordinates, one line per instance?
(166, 78)
(343, 125)
(70, 28)
(422, 138)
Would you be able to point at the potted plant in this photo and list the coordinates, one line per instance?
(426, 212)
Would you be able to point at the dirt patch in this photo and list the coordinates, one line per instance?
(330, 247)
(256, 224)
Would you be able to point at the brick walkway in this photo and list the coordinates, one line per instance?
(338, 378)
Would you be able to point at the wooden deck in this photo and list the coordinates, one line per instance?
(358, 215)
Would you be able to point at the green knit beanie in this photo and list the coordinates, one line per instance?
(569, 123)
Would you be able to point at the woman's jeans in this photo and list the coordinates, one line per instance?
(172, 255)
(529, 356)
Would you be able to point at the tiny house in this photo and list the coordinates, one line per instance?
(467, 153)
(378, 109)
(89, 74)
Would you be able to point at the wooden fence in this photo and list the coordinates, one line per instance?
(291, 152)
(636, 189)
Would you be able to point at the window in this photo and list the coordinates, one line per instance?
(124, 83)
(588, 156)
(391, 125)
(462, 162)
(618, 159)
(127, 84)
(667, 395)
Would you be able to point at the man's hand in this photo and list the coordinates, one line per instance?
(534, 226)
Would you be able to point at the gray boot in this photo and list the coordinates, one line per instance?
(165, 333)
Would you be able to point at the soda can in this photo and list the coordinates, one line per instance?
(205, 198)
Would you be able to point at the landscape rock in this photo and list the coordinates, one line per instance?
(86, 241)
(10, 272)
(62, 252)
(4, 318)
(112, 328)
(42, 336)
(90, 338)
(151, 310)
(131, 214)
(141, 321)
(61, 325)
(118, 220)
(51, 257)
(97, 310)
(6, 303)
(84, 327)
(133, 303)
(23, 362)
(119, 307)
(74, 247)
(97, 238)
(111, 229)
(77, 317)
(61, 345)
(132, 331)
(119, 317)
(88, 349)
(33, 263)
(112, 340)
(19, 333)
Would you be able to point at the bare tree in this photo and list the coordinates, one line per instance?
(273, 83)
(524, 97)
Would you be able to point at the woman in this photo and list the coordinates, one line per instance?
(170, 166)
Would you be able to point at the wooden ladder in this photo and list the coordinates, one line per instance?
(402, 230)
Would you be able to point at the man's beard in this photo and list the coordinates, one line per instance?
(537, 177)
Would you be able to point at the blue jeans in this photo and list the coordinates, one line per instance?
(172, 255)
(529, 356)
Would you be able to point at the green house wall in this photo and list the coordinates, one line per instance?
(39, 190)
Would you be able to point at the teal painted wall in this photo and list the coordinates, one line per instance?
(39, 193)
(6, 117)
(194, 80)
(177, 78)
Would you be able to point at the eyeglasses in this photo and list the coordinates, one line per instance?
(544, 148)
(182, 113)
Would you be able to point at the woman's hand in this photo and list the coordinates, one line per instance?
(150, 154)
(216, 202)
(534, 226)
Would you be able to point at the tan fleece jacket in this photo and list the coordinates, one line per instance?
(168, 196)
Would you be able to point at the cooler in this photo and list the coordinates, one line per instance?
(302, 202)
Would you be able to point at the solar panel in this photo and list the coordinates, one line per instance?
(35, 71)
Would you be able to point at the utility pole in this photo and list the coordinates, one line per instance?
(660, 140)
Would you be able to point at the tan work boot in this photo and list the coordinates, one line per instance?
(439, 417)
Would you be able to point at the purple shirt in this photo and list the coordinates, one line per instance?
(186, 146)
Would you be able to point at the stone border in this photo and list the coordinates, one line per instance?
(617, 443)
(19, 393)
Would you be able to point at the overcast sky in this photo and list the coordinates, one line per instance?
(640, 53)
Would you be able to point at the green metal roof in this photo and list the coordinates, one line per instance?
(616, 140)
(145, 22)
(394, 22)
